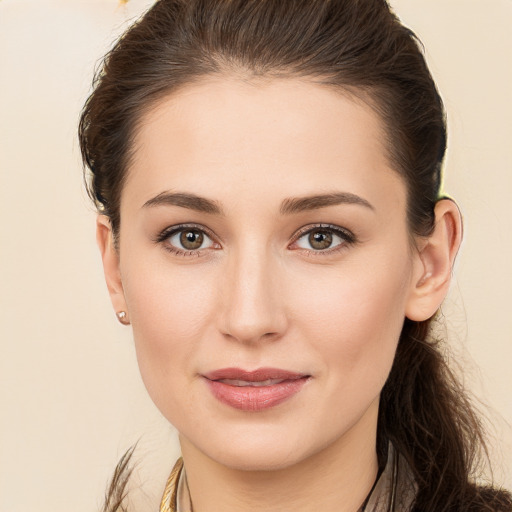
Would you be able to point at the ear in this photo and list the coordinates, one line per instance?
(110, 258)
(434, 261)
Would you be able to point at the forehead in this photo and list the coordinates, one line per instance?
(271, 137)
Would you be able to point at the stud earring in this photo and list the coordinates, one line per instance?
(121, 316)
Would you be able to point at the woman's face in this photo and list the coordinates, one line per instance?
(262, 228)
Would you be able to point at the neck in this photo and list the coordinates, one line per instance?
(339, 477)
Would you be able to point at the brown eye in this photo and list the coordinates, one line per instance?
(324, 238)
(191, 239)
(187, 239)
(320, 240)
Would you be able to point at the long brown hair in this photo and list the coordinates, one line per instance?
(357, 46)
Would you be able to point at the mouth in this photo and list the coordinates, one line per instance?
(254, 390)
(255, 384)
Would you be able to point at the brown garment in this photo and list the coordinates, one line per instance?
(394, 490)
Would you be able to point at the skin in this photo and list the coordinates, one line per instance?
(258, 294)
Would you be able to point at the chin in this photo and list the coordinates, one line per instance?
(260, 447)
(258, 459)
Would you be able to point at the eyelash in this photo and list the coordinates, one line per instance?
(167, 233)
(347, 236)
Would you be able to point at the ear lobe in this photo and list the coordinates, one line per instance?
(110, 258)
(434, 262)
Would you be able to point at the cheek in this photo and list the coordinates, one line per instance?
(170, 309)
(164, 298)
(354, 317)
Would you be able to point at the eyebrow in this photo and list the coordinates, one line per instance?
(184, 200)
(300, 204)
(288, 207)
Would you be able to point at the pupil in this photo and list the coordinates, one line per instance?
(320, 239)
(191, 239)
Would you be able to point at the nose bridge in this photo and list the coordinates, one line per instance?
(252, 308)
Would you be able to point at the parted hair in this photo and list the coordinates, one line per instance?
(358, 47)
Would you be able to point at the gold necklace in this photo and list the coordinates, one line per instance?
(169, 498)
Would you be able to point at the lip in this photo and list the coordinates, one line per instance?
(257, 396)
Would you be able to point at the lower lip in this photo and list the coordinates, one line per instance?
(255, 398)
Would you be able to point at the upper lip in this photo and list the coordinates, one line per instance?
(260, 374)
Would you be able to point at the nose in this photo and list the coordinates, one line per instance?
(253, 306)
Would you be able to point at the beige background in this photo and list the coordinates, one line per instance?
(71, 400)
